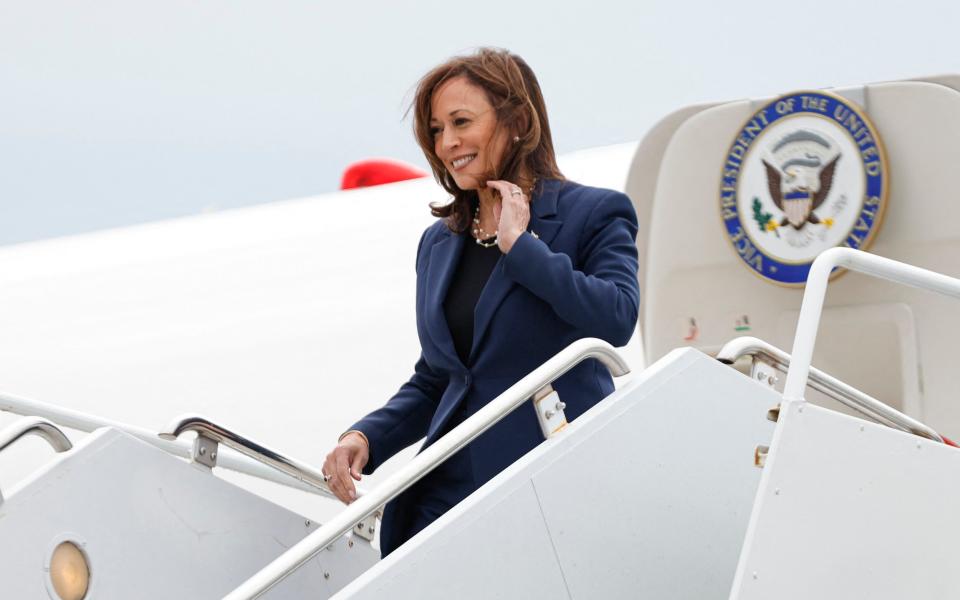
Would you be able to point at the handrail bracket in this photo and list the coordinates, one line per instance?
(367, 528)
(205, 451)
(549, 408)
(763, 372)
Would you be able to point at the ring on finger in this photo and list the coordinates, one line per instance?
(326, 477)
(516, 192)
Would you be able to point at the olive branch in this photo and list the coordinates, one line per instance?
(763, 218)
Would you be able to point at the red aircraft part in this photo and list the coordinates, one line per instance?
(378, 171)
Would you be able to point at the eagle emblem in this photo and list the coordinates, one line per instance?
(799, 189)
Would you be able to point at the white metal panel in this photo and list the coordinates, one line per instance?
(641, 182)
(647, 495)
(154, 526)
(673, 526)
(850, 509)
(499, 550)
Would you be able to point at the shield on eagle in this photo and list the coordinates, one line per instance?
(801, 198)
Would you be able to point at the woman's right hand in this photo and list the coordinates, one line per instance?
(344, 464)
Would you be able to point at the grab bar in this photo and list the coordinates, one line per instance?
(827, 384)
(426, 461)
(87, 423)
(34, 426)
(816, 290)
(221, 435)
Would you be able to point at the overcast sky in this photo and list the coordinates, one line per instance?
(119, 112)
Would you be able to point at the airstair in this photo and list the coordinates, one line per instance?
(693, 480)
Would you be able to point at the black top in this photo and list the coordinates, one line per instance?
(473, 271)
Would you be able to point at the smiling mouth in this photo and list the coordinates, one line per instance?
(462, 161)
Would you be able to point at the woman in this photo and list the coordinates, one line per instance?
(519, 265)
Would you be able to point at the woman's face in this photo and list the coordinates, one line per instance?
(464, 128)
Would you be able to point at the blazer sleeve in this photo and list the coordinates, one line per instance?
(602, 296)
(405, 418)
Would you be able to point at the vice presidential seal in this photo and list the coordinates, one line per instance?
(806, 173)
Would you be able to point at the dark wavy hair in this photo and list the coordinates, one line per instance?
(513, 91)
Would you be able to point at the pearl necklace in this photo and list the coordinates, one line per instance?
(479, 233)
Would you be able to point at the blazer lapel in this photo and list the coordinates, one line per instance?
(542, 210)
(444, 256)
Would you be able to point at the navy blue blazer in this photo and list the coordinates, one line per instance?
(579, 279)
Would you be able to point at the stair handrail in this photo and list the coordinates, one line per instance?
(88, 423)
(816, 290)
(246, 446)
(426, 461)
(827, 384)
(39, 427)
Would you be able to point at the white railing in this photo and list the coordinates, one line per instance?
(87, 423)
(426, 461)
(816, 290)
(828, 385)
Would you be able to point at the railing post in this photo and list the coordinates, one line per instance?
(815, 292)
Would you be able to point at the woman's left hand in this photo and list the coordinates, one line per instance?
(512, 215)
